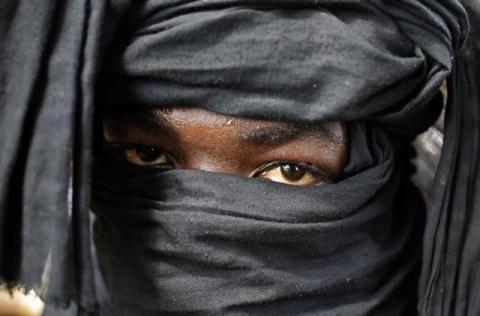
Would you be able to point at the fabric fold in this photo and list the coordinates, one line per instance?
(450, 277)
(197, 242)
(378, 62)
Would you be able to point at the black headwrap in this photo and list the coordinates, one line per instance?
(450, 282)
(194, 242)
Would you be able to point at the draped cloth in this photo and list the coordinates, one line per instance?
(353, 246)
(183, 240)
(450, 276)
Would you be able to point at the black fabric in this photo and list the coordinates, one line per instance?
(377, 61)
(198, 243)
(295, 60)
(45, 115)
(450, 283)
(342, 60)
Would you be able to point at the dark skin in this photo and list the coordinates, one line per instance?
(197, 139)
(192, 138)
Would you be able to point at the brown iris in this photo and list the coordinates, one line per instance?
(292, 172)
(145, 156)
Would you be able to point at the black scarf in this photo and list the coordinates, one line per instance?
(191, 242)
(348, 248)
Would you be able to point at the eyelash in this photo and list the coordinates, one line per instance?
(118, 151)
(309, 167)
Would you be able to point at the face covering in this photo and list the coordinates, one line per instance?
(197, 243)
(182, 242)
(187, 242)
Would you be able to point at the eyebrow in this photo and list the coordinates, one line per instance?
(277, 135)
(147, 120)
(151, 122)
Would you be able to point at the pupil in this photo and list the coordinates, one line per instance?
(292, 172)
(147, 154)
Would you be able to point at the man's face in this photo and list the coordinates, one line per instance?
(191, 138)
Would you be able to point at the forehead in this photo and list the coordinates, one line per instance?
(164, 121)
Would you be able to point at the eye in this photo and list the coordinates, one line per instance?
(293, 174)
(143, 156)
